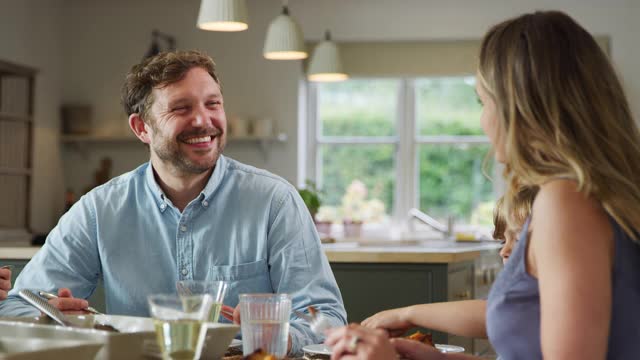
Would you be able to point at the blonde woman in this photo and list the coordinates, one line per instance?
(556, 113)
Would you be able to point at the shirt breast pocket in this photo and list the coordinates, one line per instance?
(250, 277)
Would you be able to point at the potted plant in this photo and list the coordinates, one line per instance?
(356, 209)
(311, 197)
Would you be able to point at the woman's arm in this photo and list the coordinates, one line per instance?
(571, 254)
(464, 318)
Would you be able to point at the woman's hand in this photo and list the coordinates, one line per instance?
(395, 321)
(357, 342)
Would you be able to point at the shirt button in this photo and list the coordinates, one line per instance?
(185, 271)
(163, 206)
(205, 203)
(183, 228)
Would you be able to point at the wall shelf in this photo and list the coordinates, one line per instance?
(80, 142)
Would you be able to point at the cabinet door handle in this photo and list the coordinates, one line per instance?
(485, 277)
(463, 295)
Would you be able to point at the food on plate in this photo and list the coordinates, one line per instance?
(260, 354)
(105, 327)
(421, 337)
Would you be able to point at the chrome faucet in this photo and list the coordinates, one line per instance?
(446, 230)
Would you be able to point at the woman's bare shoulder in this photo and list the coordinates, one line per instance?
(560, 210)
(563, 195)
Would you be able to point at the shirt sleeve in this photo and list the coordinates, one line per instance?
(299, 267)
(68, 259)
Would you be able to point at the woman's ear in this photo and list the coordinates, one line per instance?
(139, 128)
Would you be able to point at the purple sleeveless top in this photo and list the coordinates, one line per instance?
(513, 306)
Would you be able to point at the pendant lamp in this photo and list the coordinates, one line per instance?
(325, 65)
(284, 39)
(223, 15)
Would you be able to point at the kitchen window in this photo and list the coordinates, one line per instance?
(403, 143)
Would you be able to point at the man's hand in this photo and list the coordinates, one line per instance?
(5, 282)
(68, 304)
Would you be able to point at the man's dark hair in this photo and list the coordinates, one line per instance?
(159, 71)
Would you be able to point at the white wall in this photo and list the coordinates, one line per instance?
(31, 34)
(102, 39)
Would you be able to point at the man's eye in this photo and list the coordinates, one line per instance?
(213, 103)
(479, 101)
(180, 108)
(503, 242)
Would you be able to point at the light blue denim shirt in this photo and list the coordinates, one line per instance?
(248, 227)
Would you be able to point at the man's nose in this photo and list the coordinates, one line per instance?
(200, 117)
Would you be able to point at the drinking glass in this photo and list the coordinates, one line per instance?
(178, 322)
(265, 323)
(217, 290)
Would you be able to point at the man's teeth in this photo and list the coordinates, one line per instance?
(198, 140)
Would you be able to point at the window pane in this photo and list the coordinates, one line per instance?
(452, 183)
(447, 106)
(360, 107)
(373, 165)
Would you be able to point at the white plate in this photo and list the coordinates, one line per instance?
(235, 343)
(322, 349)
(444, 348)
(317, 349)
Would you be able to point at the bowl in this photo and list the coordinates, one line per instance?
(126, 344)
(13, 348)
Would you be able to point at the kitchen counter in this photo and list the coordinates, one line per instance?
(18, 253)
(436, 251)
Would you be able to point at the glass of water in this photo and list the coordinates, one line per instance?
(178, 323)
(217, 290)
(264, 322)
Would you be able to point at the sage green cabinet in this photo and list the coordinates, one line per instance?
(368, 288)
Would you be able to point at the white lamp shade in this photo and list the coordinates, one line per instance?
(223, 15)
(325, 63)
(284, 40)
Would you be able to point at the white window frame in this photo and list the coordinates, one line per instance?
(406, 142)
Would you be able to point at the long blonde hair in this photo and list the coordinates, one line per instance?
(511, 220)
(562, 111)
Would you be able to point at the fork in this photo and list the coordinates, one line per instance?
(44, 306)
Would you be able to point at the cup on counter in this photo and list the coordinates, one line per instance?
(265, 323)
(263, 127)
(216, 289)
(239, 126)
(178, 323)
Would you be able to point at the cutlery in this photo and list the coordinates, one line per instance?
(304, 316)
(49, 296)
(318, 322)
(42, 305)
(10, 267)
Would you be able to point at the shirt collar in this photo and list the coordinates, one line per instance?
(214, 181)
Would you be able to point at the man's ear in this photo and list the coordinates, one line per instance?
(139, 127)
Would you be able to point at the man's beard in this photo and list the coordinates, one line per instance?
(169, 151)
